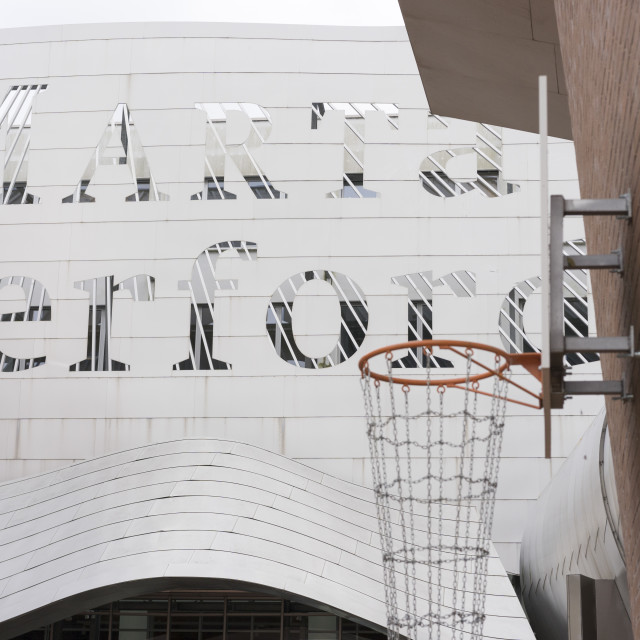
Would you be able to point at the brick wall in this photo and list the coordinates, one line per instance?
(600, 41)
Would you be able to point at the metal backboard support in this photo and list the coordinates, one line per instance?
(545, 363)
(558, 344)
(555, 345)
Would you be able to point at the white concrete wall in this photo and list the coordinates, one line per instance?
(51, 417)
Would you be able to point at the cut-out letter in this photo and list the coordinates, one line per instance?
(36, 308)
(488, 156)
(354, 319)
(100, 292)
(354, 142)
(420, 311)
(576, 318)
(119, 167)
(202, 287)
(15, 137)
(218, 148)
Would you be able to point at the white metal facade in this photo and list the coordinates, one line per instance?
(177, 101)
(194, 509)
(574, 529)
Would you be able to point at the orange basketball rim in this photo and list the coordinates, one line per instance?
(499, 366)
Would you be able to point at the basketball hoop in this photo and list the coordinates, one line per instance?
(435, 449)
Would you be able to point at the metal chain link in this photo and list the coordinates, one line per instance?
(434, 525)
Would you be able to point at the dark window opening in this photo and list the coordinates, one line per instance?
(317, 112)
(34, 314)
(17, 195)
(201, 337)
(352, 187)
(10, 365)
(280, 330)
(263, 189)
(516, 337)
(575, 325)
(84, 197)
(205, 615)
(214, 192)
(98, 346)
(351, 333)
(420, 319)
(144, 186)
(438, 183)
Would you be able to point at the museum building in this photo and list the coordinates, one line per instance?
(203, 227)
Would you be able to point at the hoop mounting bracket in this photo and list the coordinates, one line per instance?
(559, 344)
(529, 361)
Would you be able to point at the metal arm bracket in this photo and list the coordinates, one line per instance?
(559, 344)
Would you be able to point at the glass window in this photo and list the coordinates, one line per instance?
(203, 618)
(322, 628)
(291, 606)
(352, 187)
(263, 189)
(354, 631)
(209, 606)
(17, 194)
(134, 604)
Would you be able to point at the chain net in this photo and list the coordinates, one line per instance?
(435, 454)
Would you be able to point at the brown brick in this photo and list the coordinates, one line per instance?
(600, 41)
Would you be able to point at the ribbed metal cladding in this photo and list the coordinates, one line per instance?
(201, 509)
(574, 528)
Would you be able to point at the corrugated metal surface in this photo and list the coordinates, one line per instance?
(200, 509)
(574, 528)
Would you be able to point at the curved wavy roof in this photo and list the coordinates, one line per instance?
(194, 510)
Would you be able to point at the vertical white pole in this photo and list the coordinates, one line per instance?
(544, 259)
